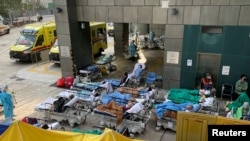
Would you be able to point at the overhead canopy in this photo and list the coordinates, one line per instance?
(20, 131)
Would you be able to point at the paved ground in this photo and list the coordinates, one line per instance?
(33, 86)
(36, 83)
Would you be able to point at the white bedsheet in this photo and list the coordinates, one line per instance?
(135, 108)
(72, 101)
(80, 95)
(45, 105)
(67, 93)
(208, 102)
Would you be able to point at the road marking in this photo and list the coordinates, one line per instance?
(44, 69)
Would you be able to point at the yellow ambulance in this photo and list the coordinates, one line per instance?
(33, 39)
(4, 28)
(98, 40)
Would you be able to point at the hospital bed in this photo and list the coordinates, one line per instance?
(74, 111)
(86, 98)
(139, 92)
(113, 112)
(115, 82)
(135, 122)
(178, 100)
(89, 74)
(86, 86)
(105, 63)
(44, 124)
(134, 78)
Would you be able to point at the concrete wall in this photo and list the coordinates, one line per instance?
(194, 12)
(74, 41)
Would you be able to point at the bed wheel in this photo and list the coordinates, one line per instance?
(158, 123)
(84, 121)
(102, 123)
(71, 125)
(62, 128)
(132, 135)
(157, 128)
(143, 130)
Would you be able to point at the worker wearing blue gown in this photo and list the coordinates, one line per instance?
(132, 49)
(151, 37)
(7, 103)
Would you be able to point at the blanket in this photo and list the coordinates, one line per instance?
(133, 91)
(117, 97)
(114, 82)
(113, 109)
(88, 85)
(238, 102)
(183, 95)
(162, 108)
(45, 105)
(83, 95)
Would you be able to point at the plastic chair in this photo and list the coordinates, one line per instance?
(227, 90)
(151, 77)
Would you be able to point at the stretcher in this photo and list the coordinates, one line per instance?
(105, 63)
(118, 110)
(73, 111)
(115, 117)
(86, 86)
(89, 74)
(44, 124)
(87, 98)
(139, 92)
(114, 82)
(180, 100)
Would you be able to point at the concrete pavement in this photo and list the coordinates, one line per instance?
(36, 83)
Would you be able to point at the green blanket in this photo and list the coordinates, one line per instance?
(238, 102)
(183, 95)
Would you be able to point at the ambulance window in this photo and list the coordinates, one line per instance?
(40, 40)
(55, 34)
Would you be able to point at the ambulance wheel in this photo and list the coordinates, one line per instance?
(8, 31)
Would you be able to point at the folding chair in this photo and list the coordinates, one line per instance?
(227, 90)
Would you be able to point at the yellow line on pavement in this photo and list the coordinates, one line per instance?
(43, 69)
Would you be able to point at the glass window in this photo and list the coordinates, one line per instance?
(212, 29)
(93, 33)
(55, 34)
(40, 40)
(26, 40)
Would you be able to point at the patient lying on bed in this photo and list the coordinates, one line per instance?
(58, 105)
(161, 109)
(115, 110)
